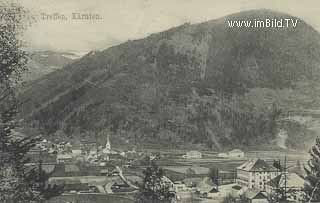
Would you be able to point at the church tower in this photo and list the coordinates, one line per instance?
(108, 145)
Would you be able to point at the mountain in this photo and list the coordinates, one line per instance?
(205, 86)
(41, 63)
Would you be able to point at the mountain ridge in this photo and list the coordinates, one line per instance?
(188, 85)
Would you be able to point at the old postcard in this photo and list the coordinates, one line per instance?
(149, 101)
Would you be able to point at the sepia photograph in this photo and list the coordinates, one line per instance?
(159, 101)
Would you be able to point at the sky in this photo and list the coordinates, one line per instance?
(122, 20)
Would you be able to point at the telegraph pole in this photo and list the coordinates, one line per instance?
(285, 178)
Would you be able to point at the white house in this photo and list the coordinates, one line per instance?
(179, 186)
(193, 155)
(64, 158)
(236, 153)
(76, 152)
(165, 181)
(254, 174)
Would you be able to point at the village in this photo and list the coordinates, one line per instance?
(89, 169)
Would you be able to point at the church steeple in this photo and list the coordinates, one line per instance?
(108, 144)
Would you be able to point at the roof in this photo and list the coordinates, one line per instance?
(255, 194)
(71, 168)
(88, 141)
(64, 156)
(165, 179)
(236, 151)
(292, 180)
(256, 165)
(48, 168)
(206, 185)
(298, 170)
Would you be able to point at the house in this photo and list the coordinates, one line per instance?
(192, 182)
(179, 186)
(206, 187)
(109, 170)
(236, 153)
(256, 196)
(116, 157)
(93, 151)
(48, 168)
(76, 152)
(71, 170)
(85, 145)
(121, 187)
(223, 155)
(167, 182)
(189, 170)
(64, 158)
(293, 183)
(254, 174)
(193, 155)
(77, 187)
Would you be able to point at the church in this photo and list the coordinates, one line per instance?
(107, 149)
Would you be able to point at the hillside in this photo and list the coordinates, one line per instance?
(41, 63)
(193, 86)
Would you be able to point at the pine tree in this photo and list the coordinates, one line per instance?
(312, 186)
(153, 188)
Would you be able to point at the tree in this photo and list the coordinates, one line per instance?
(17, 184)
(154, 188)
(214, 175)
(312, 181)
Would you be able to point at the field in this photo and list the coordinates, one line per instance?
(92, 198)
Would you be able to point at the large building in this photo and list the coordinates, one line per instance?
(254, 174)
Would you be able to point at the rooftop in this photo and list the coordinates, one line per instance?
(236, 151)
(292, 180)
(255, 194)
(256, 165)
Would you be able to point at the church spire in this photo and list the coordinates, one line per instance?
(108, 144)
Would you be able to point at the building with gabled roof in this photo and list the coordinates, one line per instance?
(254, 174)
(235, 153)
(206, 186)
(256, 196)
(293, 183)
(64, 158)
